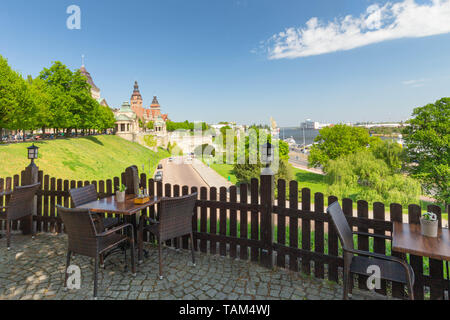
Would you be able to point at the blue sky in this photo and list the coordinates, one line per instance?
(215, 60)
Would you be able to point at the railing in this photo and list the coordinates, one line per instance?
(248, 225)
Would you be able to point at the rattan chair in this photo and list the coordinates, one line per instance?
(86, 241)
(19, 206)
(88, 194)
(175, 220)
(358, 261)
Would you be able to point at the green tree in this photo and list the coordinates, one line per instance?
(15, 100)
(248, 170)
(361, 175)
(333, 142)
(150, 125)
(150, 141)
(389, 151)
(428, 148)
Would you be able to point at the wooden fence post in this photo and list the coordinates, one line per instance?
(267, 198)
(29, 176)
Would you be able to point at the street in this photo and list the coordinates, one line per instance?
(180, 173)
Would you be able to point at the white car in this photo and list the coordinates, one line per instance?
(159, 176)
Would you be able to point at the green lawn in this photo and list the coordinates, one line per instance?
(87, 158)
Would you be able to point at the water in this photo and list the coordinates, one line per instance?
(297, 134)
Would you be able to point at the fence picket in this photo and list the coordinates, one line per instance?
(213, 221)
(363, 241)
(254, 218)
(306, 230)
(333, 247)
(223, 221)
(436, 266)
(243, 250)
(379, 244)
(233, 222)
(203, 219)
(293, 224)
(398, 289)
(416, 262)
(319, 238)
(281, 223)
(195, 219)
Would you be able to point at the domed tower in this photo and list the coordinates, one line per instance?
(137, 102)
(95, 91)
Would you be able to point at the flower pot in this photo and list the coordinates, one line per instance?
(429, 228)
(120, 196)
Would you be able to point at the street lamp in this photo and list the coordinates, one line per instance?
(32, 153)
(267, 155)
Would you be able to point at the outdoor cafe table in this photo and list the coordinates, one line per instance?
(407, 238)
(127, 209)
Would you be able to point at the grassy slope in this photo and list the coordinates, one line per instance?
(89, 158)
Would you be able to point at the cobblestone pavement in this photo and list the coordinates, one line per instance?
(34, 269)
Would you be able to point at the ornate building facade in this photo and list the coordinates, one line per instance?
(127, 123)
(132, 118)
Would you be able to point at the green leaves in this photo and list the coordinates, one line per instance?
(333, 142)
(58, 98)
(361, 175)
(428, 148)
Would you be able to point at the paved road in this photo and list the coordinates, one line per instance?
(182, 174)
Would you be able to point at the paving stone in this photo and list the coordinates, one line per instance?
(34, 270)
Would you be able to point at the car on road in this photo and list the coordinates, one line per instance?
(160, 166)
(158, 176)
(170, 159)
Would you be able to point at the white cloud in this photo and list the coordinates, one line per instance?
(406, 19)
(415, 83)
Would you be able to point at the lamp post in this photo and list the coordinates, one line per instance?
(30, 176)
(33, 154)
(267, 197)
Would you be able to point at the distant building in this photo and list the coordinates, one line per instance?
(95, 91)
(127, 124)
(309, 124)
(132, 118)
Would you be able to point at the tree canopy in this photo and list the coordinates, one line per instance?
(427, 143)
(58, 98)
(333, 142)
(361, 175)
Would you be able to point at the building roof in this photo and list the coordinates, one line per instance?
(123, 117)
(85, 73)
(102, 102)
(136, 93)
(155, 103)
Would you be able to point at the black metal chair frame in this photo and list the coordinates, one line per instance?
(351, 261)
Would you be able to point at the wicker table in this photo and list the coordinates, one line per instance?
(127, 209)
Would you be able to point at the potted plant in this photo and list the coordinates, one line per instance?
(429, 225)
(120, 193)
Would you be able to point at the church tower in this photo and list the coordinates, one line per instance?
(137, 102)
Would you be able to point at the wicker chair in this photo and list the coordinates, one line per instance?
(88, 194)
(131, 180)
(175, 220)
(358, 261)
(19, 206)
(86, 241)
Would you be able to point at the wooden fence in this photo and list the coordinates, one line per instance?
(245, 224)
